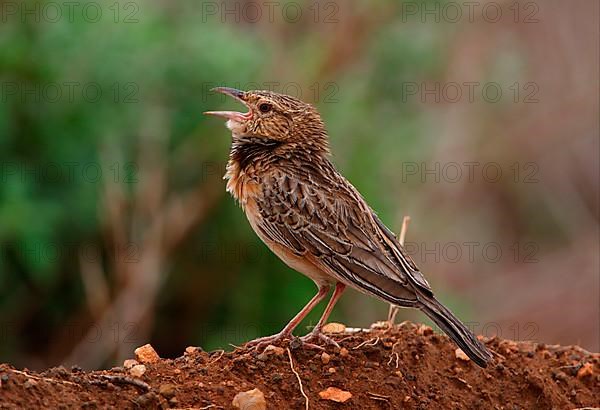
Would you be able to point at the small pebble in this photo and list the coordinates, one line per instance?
(424, 330)
(61, 371)
(29, 384)
(146, 354)
(192, 350)
(560, 376)
(250, 400)
(129, 363)
(276, 350)
(325, 358)
(334, 328)
(335, 394)
(393, 381)
(167, 390)
(585, 371)
(146, 400)
(138, 370)
(461, 355)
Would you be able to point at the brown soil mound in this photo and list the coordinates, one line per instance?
(406, 367)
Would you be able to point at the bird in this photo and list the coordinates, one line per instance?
(310, 216)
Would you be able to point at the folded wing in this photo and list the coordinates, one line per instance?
(329, 222)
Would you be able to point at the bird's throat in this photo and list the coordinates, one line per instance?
(247, 151)
(248, 160)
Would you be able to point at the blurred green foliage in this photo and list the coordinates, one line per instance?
(221, 284)
(76, 96)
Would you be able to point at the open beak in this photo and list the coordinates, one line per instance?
(232, 115)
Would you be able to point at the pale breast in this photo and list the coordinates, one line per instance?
(298, 263)
(240, 183)
(245, 187)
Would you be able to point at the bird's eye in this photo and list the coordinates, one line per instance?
(264, 107)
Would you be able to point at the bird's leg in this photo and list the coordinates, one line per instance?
(393, 311)
(286, 332)
(317, 330)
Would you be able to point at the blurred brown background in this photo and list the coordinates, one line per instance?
(479, 121)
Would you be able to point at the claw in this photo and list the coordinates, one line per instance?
(263, 342)
(267, 340)
(321, 337)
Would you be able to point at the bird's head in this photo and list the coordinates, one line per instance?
(274, 116)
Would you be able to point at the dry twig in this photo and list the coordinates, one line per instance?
(403, 230)
(127, 380)
(393, 311)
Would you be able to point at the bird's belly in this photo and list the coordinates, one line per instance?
(298, 263)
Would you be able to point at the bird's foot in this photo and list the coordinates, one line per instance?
(388, 326)
(319, 336)
(295, 342)
(261, 342)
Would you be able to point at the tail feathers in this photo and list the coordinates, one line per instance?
(456, 330)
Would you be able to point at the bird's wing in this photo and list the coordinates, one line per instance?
(328, 222)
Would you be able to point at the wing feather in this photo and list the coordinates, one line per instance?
(331, 222)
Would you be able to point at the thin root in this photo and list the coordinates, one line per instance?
(392, 356)
(347, 338)
(222, 352)
(379, 397)
(47, 379)
(370, 342)
(297, 377)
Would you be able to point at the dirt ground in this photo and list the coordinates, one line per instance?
(408, 367)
